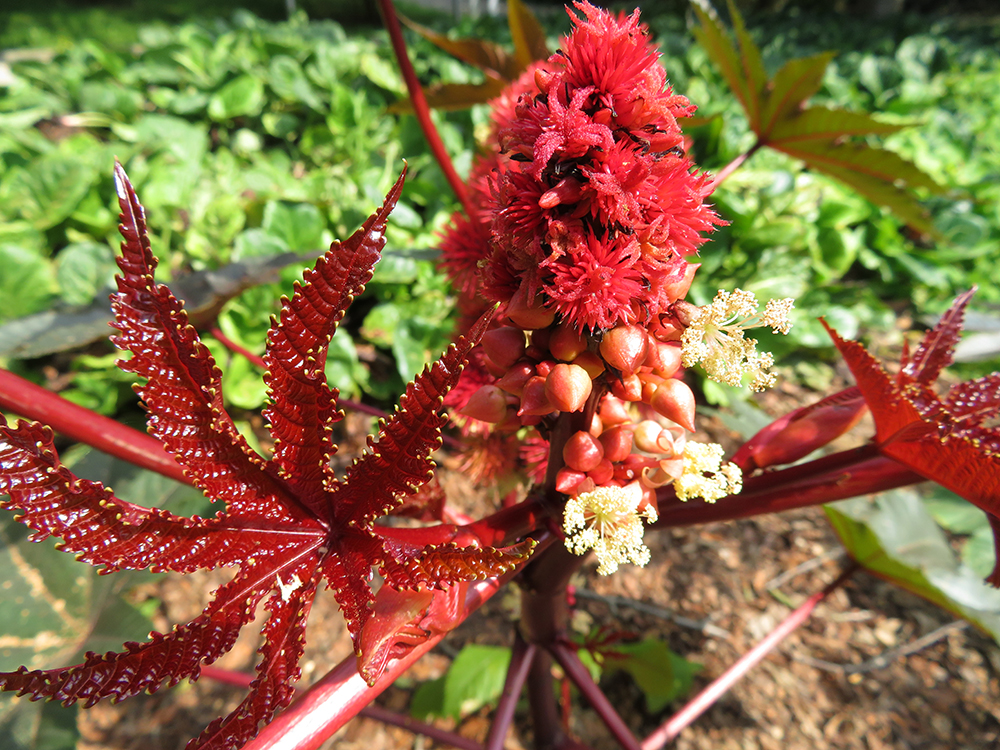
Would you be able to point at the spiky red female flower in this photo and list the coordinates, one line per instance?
(593, 200)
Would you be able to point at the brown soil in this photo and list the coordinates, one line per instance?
(944, 695)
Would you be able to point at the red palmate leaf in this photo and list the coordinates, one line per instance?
(288, 521)
(946, 440)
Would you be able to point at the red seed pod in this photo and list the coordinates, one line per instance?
(488, 404)
(565, 343)
(590, 362)
(647, 436)
(624, 348)
(540, 340)
(534, 402)
(528, 315)
(675, 400)
(596, 426)
(602, 473)
(583, 451)
(571, 482)
(544, 367)
(669, 359)
(678, 289)
(650, 383)
(514, 379)
(504, 346)
(612, 411)
(617, 443)
(568, 387)
(628, 388)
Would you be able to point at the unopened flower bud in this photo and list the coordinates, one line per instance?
(624, 348)
(488, 404)
(629, 388)
(504, 346)
(664, 358)
(568, 387)
(534, 402)
(514, 379)
(612, 411)
(675, 401)
(677, 290)
(582, 451)
(602, 473)
(571, 482)
(566, 344)
(590, 362)
(528, 315)
(617, 443)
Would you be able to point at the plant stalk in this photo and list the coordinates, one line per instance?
(722, 684)
(420, 108)
(522, 656)
(83, 425)
(732, 166)
(578, 673)
(850, 473)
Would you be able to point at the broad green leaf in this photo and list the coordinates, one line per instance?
(979, 553)
(797, 80)
(662, 675)
(82, 270)
(56, 612)
(47, 191)
(953, 513)
(475, 678)
(488, 56)
(244, 95)
(300, 225)
(895, 538)
(528, 36)
(428, 699)
(26, 283)
(752, 68)
(290, 83)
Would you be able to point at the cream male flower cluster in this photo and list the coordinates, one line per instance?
(609, 521)
(715, 338)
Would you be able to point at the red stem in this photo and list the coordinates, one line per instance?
(838, 476)
(520, 662)
(339, 696)
(420, 108)
(718, 687)
(732, 166)
(373, 711)
(79, 423)
(578, 673)
(345, 402)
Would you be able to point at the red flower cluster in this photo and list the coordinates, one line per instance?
(590, 205)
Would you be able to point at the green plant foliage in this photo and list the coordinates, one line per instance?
(56, 614)
(896, 538)
(249, 138)
(474, 679)
(661, 675)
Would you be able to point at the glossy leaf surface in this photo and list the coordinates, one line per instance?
(289, 522)
(948, 440)
(778, 114)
